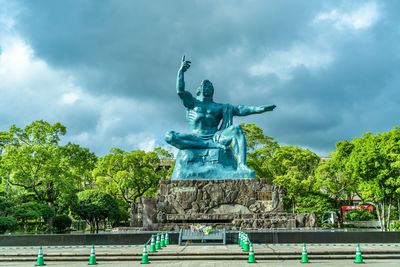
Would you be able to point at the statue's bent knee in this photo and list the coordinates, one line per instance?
(237, 129)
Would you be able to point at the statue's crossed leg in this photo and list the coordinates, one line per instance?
(221, 139)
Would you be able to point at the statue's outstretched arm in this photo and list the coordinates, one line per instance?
(186, 96)
(248, 110)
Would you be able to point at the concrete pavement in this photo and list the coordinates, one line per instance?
(217, 263)
(193, 256)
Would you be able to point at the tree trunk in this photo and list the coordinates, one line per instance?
(49, 228)
(339, 219)
(293, 204)
(97, 226)
(379, 214)
(398, 207)
(383, 215)
(92, 226)
(388, 216)
(133, 215)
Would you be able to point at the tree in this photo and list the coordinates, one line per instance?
(33, 160)
(361, 215)
(293, 168)
(32, 211)
(6, 223)
(315, 202)
(130, 175)
(95, 206)
(375, 162)
(260, 149)
(62, 222)
(334, 177)
(6, 205)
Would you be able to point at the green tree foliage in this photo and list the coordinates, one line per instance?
(315, 202)
(95, 206)
(6, 224)
(260, 149)
(6, 206)
(62, 222)
(375, 162)
(32, 210)
(293, 168)
(361, 215)
(334, 177)
(32, 159)
(130, 175)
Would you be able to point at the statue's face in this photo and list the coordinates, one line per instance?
(206, 89)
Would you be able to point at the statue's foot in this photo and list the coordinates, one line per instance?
(243, 168)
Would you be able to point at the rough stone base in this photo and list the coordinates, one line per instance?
(243, 196)
(234, 222)
(229, 204)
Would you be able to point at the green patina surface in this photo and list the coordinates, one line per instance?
(205, 153)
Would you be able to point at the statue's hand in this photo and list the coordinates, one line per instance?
(185, 64)
(268, 108)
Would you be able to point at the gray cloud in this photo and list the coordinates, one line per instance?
(330, 67)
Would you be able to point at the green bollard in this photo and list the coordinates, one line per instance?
(40, 260)
(304, 256)
(166, 238)
(162, 243)
(152, 245)
(246, 245)
(359, 258)
(92, 259)
(252, 258)
(158, 245)
(145, 256)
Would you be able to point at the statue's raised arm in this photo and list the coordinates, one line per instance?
(186, 96)
(248, 110)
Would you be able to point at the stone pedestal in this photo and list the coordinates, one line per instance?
(212, 163)
(230, 204)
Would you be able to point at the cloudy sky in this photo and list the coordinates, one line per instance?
(107, 69)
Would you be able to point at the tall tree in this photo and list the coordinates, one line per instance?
(34, 161)
(95, 206)
(334, 177)
(293, 168)
(130, 175)
(375, 161)
(260, 149)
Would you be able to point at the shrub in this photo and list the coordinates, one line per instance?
(361, 215)
(7, 224)
(395, 226)
(328, 225)
(62, 222)
(79, 225)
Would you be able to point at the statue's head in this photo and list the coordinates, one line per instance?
(206, 89)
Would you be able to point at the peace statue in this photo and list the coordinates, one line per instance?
(205, 153)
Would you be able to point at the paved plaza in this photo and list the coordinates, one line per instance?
(193, 256)
(214, 263)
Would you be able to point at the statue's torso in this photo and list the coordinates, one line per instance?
(204, 118)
